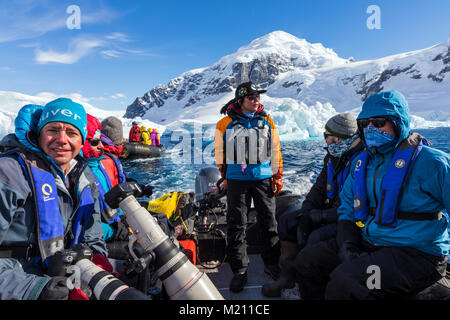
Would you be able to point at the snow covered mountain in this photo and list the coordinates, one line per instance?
(289, 67)
(307, 84)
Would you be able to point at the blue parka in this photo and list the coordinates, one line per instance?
(22, 279)
(426, 190)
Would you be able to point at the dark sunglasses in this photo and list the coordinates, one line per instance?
(253, 96)
(377, 122)
(94, 142)
(326, 135)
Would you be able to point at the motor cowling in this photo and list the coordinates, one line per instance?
(206, 182)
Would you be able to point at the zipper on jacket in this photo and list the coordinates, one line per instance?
(374, 192)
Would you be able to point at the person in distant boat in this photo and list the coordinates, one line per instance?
(319, 209)
(145, 136)
(49, 201)
(247, 152)
(135, 133)
(391, 227)
(154, 136)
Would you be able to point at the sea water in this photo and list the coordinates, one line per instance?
(176, 170)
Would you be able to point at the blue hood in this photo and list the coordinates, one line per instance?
(26, 131)
(392, 104)
(26, 123)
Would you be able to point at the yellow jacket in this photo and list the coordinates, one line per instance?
(145, 137)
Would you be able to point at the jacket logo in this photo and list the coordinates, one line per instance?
(47, 191)
(400, 163)
(358, 164)
(329, 187)
(357, 203)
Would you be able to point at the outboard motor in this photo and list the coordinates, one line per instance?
(206, 182)
(181, 279)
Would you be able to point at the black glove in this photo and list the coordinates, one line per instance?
(304, 228)
(347, 231)
(122, 233)
(147, 191)
(55, 289)
(348, 251)
(319, 217)
(348, 237)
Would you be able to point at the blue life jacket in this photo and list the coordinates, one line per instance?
(332, 189)
(250, 141)
(50, 225)
(386, 213)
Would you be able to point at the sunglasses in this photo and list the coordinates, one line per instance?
(326, 135)
(377, 122)
(253, 96)
(94, 142)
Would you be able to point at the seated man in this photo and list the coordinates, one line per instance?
(320, 205)
(145, 136)
(135, 133)
(49, 199)
(390, 220)
(154, 136)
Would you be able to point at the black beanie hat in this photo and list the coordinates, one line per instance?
(246, 89)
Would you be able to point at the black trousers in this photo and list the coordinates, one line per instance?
(402, 271)
(239, 195)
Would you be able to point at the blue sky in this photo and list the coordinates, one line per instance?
(125, 48)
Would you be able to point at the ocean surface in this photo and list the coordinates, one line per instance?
(186, 155)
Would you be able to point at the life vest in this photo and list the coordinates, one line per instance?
(177, 206)
(110, 215)
(134, 134)
(387, 213)
(50, 225)
(248, 148)
(111, 171)
(334, 186)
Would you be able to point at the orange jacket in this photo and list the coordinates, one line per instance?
(276, 160)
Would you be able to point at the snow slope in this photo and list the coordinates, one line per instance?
(11, 102)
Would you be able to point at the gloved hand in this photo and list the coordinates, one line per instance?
(319, 217)
(304, 228)
(277, 182)
(347, 238)
(102, 262)
(348, 251)
(223, 181)
(121, 231)
(55, 289)
(147, 190)
(224, 184)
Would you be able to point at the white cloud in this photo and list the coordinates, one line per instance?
(118, 96)
(78, 48)
(31, 19)
(122, 37)
(111, 53)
